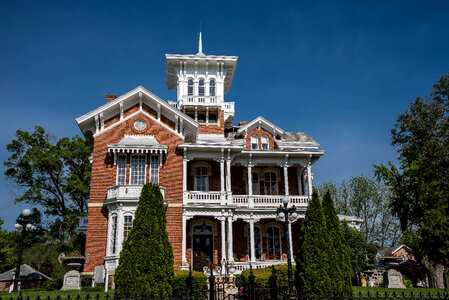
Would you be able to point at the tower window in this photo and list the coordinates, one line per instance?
(190, 87)
(254, 142)
(212, 87)
(264, 142)
(201, 87)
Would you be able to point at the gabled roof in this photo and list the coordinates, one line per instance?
(262, 122)
(26, 273)
(296, 140)
(87, 121)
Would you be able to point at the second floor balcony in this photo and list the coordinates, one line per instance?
(130, 192)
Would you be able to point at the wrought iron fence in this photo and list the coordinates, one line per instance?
(240, 288)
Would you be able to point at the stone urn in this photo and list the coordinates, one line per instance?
(72, 279)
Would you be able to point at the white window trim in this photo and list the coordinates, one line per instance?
(204, 87)
(111, 238)
(267, 143)
(144, 172)
(257, 140)
(158, 167)
(126, 165)
(280, 238)
(209, 173)
(193, 87)
(215, 87)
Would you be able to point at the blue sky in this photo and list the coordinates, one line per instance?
(338, 70)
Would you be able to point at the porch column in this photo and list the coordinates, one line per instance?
(286, 180)
(184, 240)
(184, 171)
(223, 240)
(230, 250)
(222, 175)
(250, 186)
(252, 240)
(290, 240)
(228, 180)
(309, 176)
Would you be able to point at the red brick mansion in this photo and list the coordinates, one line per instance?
(221, 183)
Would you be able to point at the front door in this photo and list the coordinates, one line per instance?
(203, 253)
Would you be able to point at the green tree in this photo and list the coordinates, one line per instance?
(421, 190)
(340, 266)
(312, 261)
(368, 199)
(51, 174)
(146, 261)
(7, 248)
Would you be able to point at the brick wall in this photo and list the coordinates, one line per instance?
(104, 175)
(213, 129)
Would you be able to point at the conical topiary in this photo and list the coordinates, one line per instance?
(146, 261)
(340, 267)
(312, 263)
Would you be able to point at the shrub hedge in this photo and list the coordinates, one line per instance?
(262, 276)
(199, 285)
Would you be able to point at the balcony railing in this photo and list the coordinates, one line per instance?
(268, 200)
(127, 191)
(196, 197)
(262, 201)
(242, 266)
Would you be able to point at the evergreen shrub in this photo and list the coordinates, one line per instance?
(146, 261)
(86, 280)
(53, 284)
(199, 285)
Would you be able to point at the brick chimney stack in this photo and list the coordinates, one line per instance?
(110, 97)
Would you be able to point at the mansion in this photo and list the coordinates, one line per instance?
(222, 183)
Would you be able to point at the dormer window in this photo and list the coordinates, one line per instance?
(264, 142)
(254, 142)
(201, 87)
(190, 87)
(212, 87)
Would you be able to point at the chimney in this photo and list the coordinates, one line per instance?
(110, 97)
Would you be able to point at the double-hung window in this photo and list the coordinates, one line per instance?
(271, 185)
(201, 87)
(121, 170)
(190, 87)
(127, 225)
(264, 142)
(113, 234)
(154, 169)
(274, 241)
(201, 179)
(254, 142)
(212, 87)
(137, 169)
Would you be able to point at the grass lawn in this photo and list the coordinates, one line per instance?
(373, 290)
(33, 294)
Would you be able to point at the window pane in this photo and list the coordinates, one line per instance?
(127, 225)
(113, 234)
(254, 142)
(212, 88)
(201, 118)
(201, 179)
(121, 169)
(137, 169)
(257, 243)
(271, 187)
(201, 87)
(190, 87)
(212, 119)
(265, 142)
(273, 241)
(154, 169)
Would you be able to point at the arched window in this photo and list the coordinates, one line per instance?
(201, 87)
(201, 178)
(271, 183)
(254, 142)
(127, 225)
(190, 87)
(264, 142)
(113, 238)
(274, 241)
(257, 242)
(212, 87)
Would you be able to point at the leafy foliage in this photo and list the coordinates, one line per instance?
(421, 191)
(340, 268)
(312, 261)
(199, 285)
(262, 276)
(369, 199)
(51, 174)
(412, 270)
(6, 249)
(146, 261)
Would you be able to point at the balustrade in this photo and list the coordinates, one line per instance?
(127, 191)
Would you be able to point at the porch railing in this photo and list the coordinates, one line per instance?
(268, 200)
(196, 197)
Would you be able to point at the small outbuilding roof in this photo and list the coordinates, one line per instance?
(27, 273)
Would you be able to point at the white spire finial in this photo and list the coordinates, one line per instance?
(200, 45)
